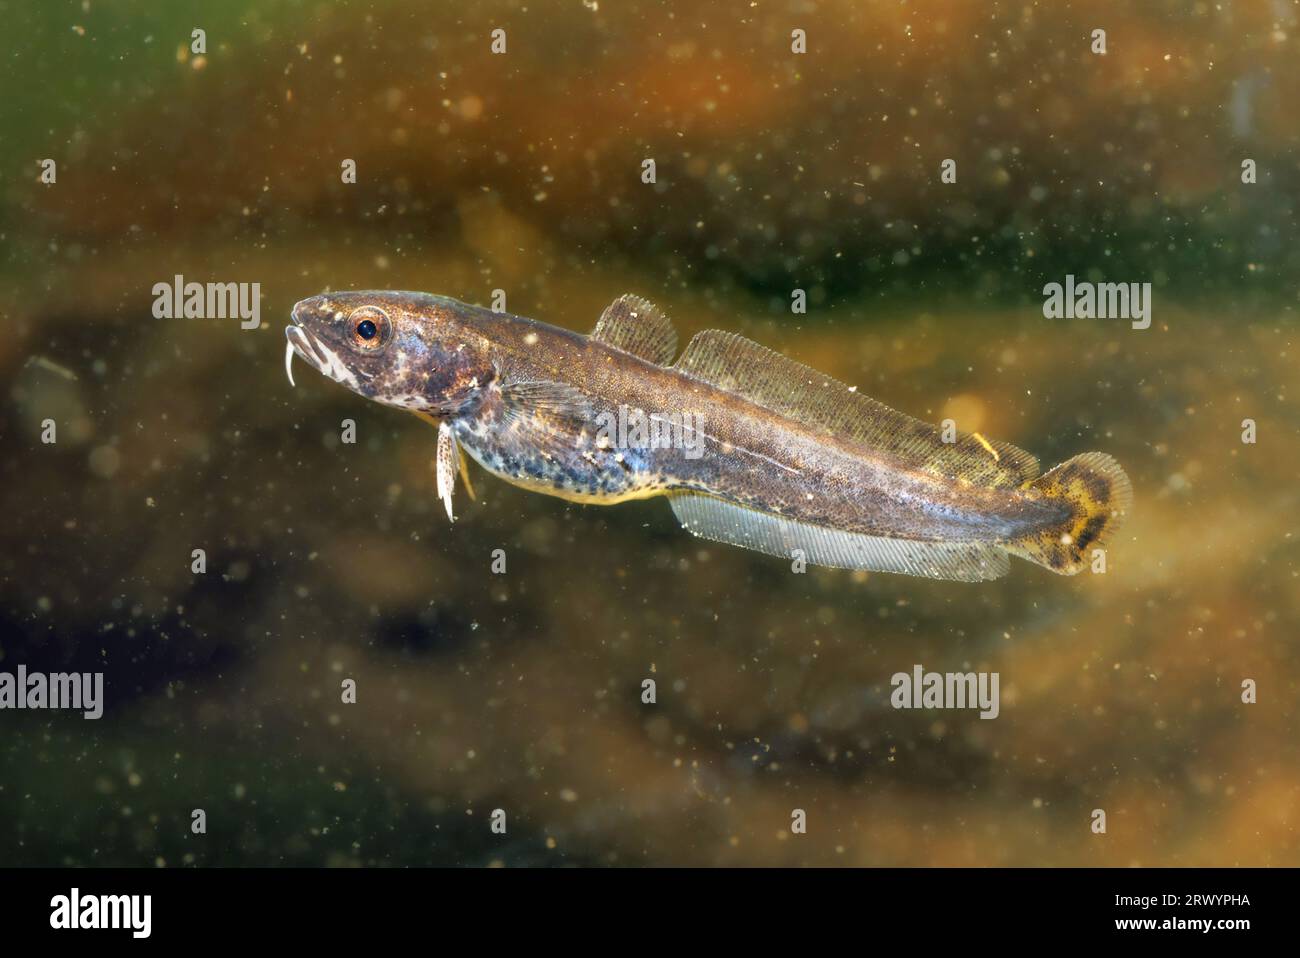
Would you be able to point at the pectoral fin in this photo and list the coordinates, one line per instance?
(542, 418)
(530, 399)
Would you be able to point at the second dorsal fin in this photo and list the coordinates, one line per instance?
(768, 379)
(637, 326)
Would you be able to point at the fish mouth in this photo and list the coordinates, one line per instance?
(304, 345)
(316, 354)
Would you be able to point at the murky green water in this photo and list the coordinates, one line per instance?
(522, 172)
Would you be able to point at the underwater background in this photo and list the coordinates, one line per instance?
(521, 171)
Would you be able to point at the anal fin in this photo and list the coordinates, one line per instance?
(723, 521)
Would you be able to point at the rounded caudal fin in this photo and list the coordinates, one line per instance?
(1099, 495)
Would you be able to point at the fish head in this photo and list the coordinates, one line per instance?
(414, 351)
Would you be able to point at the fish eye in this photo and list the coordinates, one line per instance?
(370, 327)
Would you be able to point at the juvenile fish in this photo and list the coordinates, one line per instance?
(749, 447)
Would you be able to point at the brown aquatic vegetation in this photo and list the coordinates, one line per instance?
(751, 448)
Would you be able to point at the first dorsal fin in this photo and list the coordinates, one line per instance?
(637, 326)
(791, 389)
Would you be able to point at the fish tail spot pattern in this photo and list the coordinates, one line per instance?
(1099, 495)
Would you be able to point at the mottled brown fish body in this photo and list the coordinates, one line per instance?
(760, 458)
(784, 459)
